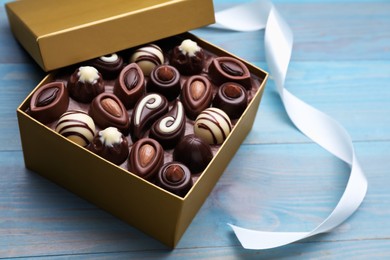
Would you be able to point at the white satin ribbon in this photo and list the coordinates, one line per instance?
(319, 127)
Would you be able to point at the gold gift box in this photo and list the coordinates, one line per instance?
(140, 203)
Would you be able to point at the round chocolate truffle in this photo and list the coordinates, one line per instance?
(148, 57)
(196, 95)
(49, 102)
(146, 158)
(165, 80)
(108, 65)
(228, 69)
(130, 85)
(107, 110)
(188, 58)
(85, 84)
(77, 126)
(170, 128)
(175, 177)
(194, 152)
(110, 144)
(213, 125)
(232, 98)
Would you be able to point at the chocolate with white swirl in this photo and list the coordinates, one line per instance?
(148, 57)
(77, 126)
(130, 85)
(212, 125)
(228, 69)
(108, 65)
(169, 129)
(146, 111)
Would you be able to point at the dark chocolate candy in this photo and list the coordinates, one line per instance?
(130, 85)
(232, 98)
(169, 129)
(110, 144)
(109, 65)
(175, 177)
(194, 152)
(146, 158)
(107, 110)
(146, 111)
(85, 84)
(188, 58)
(49, 102)
(228, 69)
(165, 79)
(196, 95)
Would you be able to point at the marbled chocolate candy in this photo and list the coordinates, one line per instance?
(107, 110)
(170, 128)
(146, 158)
(49, 102)
(146, 111)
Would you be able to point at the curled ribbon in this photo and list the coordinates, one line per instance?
(319, 127)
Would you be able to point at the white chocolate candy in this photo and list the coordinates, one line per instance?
(88, 74)
(110, 136)
(189, 47)
(147, 58)
(212, 125)
(77, 126)
(150, 101)
(111, 58)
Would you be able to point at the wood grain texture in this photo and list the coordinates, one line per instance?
(279, 180)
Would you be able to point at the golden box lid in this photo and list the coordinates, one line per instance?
(63, 32)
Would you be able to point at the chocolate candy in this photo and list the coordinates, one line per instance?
(175, 177)
(146, 158)
(110, 144)
(212, 125)
(194, 152)
(228, 69)
(85, 84)
(107, 110)
(146, 111)
(49, 102)
(130, 85)
(188, 58)
(170, 128)
(232, 99)
(165, 80)
(196, 95)
(108, 65)
(147, 58)
(77, 126)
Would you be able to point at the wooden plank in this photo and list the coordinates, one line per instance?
(268, 187)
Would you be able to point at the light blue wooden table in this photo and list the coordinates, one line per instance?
(279, 180)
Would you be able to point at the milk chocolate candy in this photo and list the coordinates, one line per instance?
(169, 129)
(110, 144)
(49, 102)
(85, 84)
(107, 110)
(130, 85)
(108, 65)
(228, 69)
(188, 58)
(146, 158)
(165, 79)
(232, 98)
(196, 95)
(147, 110)
(194, 152)
(175, 177)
